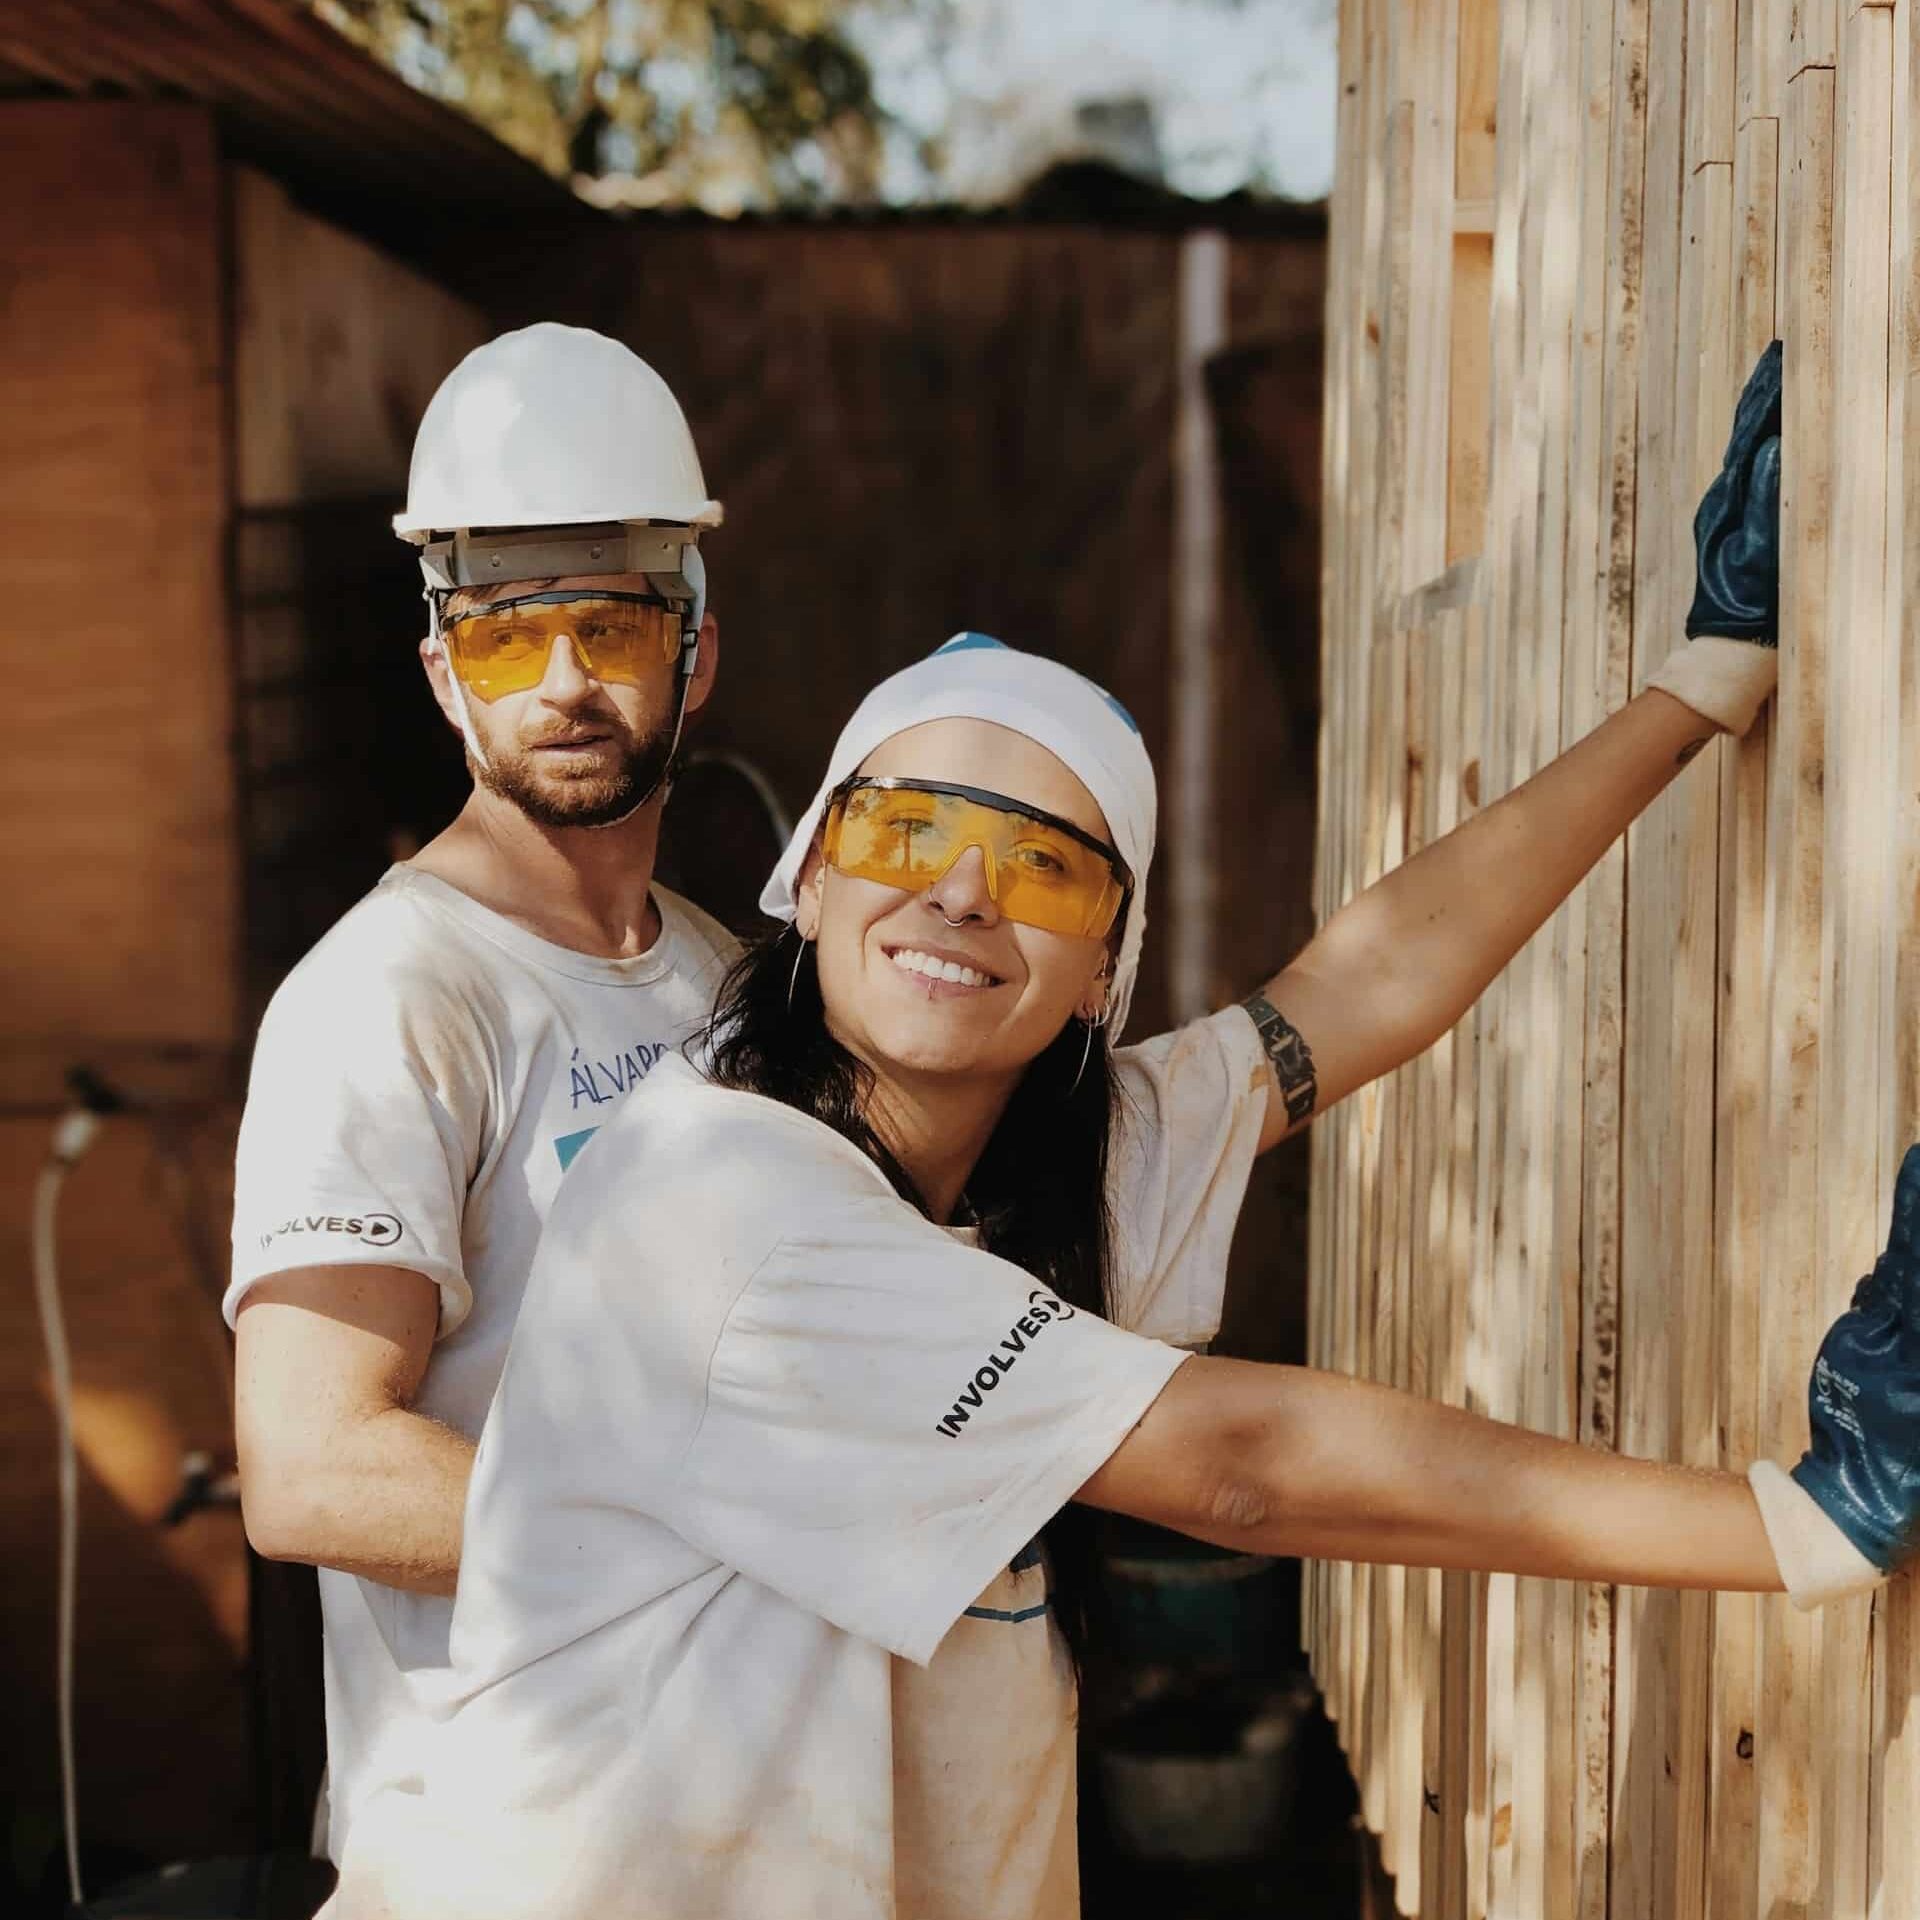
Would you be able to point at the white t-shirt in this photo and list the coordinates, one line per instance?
(749, 1620)
(421, 1081)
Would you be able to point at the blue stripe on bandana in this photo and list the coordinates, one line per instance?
(971, 642)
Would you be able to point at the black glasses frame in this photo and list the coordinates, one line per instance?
(563, 596)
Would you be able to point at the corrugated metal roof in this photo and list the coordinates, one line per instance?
(291, 95)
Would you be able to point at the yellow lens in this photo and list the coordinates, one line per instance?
(1048, 880)
(908, 837)
(506, 651)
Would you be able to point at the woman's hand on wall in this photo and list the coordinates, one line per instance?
(1849, 1514)
(1731, 661)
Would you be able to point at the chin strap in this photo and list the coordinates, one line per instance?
(476, 752)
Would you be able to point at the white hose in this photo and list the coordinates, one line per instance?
(71, 1138)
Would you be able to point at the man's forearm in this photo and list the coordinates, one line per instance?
(386, 1502)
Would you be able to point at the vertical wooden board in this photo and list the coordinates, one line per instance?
(1461, 1817)
(1404, 1657)
(1330, 810)
(1592, 924)
(1704, 386)
(1477, 101)
(1432, 89)
(1417, 1699)
(1602, 1166)
(1465, 1602)
(1645, 1841)
(1761, 47)
(1788, 1791)
(1500, 1338)
(113, 388)
(1742, 1167)
(1375, 267)
(1391, 504)
(1386, 1584)
(1813, 38)
(1895, 1867)
(1544, 1682)
(1854, 904)
(1469, 399)
(1434, 1347)
(1712, 63)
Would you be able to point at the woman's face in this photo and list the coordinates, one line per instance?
(880, 948)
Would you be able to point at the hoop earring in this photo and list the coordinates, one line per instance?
(799, 954)
(1086, 1052)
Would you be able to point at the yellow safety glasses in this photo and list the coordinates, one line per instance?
(504, 648)
(1041, 870)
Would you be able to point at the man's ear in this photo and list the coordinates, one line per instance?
(806, 895)
(433, 657)
(706, 663)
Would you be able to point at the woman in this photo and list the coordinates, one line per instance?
(750, 1619)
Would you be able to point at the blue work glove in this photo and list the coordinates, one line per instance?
(1736, 532)
(1863, 1467)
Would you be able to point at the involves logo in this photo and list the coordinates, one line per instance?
(372, 1229)
(1042, 1309)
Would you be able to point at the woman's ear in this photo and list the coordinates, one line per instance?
(1093, 1003)
(806, 896)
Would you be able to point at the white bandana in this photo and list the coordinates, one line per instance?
(976, 678)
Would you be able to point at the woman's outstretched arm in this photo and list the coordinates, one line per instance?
(1401, 963)
(1293, 1461)
(1287, 1460)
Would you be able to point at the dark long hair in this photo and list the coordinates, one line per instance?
(1038, 1192)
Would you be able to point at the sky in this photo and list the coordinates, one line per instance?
(1222, 93)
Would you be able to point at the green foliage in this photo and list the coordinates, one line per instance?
(722, 104)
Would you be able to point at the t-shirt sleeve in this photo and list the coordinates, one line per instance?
(354, 1147)
(889, 1417)
(1193, 1102)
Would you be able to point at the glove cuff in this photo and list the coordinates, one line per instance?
(1817, 1561)
(1726, 681)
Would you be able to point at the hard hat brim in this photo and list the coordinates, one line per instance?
(419, 529)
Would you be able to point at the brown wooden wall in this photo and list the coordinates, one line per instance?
(1623, 1199)
(921, 428)
(122, 943)
(915, 429)
(182, 352)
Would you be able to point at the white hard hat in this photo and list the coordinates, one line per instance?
(552, 426)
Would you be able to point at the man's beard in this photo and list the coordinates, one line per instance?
(601, 799)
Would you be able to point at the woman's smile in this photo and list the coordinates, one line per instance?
(941, 972)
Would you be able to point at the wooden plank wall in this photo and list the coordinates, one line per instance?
(1624, 1198)
(185, 350)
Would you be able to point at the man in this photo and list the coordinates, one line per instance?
(425, 1075)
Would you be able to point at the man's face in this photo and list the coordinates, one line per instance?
(573, 751)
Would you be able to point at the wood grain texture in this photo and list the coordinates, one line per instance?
(1675, 1119)
(111, 384)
